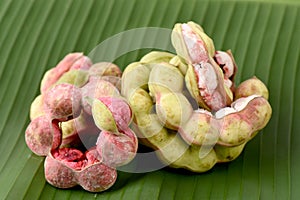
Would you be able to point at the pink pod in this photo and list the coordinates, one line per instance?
(198, 129)
(42, 135)
(84, 63)
(96, 88)
(70, 61)
(68, 167)
(105, 69)
(58, 174)
(117, 149)
(95, 176)
(62, 102)
(120, 110)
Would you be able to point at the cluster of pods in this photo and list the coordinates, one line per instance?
(80, 123)
(187, 107)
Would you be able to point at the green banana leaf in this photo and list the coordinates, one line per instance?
(264, 37)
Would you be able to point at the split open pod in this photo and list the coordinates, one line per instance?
(187, 106)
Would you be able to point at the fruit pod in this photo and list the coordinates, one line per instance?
(72, 61)
(105, 69)
(42, 135)
(173, 109)
(117, 143)
(62, 102)
(67, 167)
(79, 132)
(204, 78)
(162, 78)
(111, 113)
(58, 174)
(94, 89)
(37, 107)
(198, 129)
(252, 86)
(169, 146)
(117, 150)
(246, 116)
(96, 176)
(135, 76)
(78, 101)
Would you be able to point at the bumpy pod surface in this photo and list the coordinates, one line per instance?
(117, 150)
(62, 102)
(111, 113)
(67, 167)
(105, 69)
(251, 86)
(42, 135)
(117, 143)
(66, 127)
(70, 61)
(187, 107)
(94, 89)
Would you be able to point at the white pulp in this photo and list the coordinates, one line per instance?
(224, 59)
(236, 106)
(194, 45)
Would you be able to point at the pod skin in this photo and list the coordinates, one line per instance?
(111, 114)
(162, 78)
(173, 109)
(250, 87)
(157, 57)
(232, 126)
(70, 61)
(67, 167)
(94, 89)
(42, 135)
(105, 69)
(62, 102)
(117, 150)
(136, 75)
(37, 107)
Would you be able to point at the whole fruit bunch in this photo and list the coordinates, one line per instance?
(80, 123)
(187, 107)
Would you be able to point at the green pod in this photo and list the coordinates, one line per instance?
(173, 151)
(246, 116)
(173, 109)
(136, 75)
(198, 129)
(105, 69)
(157, 57)
(75, 77)
(194, 161)
(103, 117)
(227, 154)
(140, 102)
(36, 108)
(250, 87)
(180, 64)
(165, 78)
